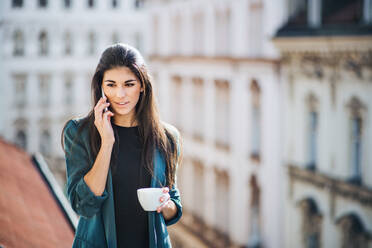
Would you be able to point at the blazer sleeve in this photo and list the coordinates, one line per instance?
(83, 201)
(174, 192)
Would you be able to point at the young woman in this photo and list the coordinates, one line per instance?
(110, 154)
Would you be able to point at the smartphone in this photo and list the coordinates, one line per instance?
(103, 95)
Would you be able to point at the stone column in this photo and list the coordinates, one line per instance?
(164, 34)
(238, 26)
(186, 32)
(209, 35)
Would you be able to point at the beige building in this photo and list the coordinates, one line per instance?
(327, 132)
(217, 79)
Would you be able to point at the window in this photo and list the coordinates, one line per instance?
(44, 89)
(68, 45)
(43, 43)
(138, 4)
(92, 43)
(356, 139)
(138, 41)
(19, 43)
(17, 3)
(21, 139)
(114, 4)
(91, 3)
(198, 108)
(255, 120)
(254, 220)
(176, 95)
(68, 91)
(312, 132)
(222, 114)
(45, 143)
(20, 90)
(115, 38)
(67, 4)
(353, 232)
(43, 3)
(311, 223)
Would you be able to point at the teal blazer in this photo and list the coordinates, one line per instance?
(96, 227)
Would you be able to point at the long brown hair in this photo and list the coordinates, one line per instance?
(153, 133)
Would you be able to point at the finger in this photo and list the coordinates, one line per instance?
(107, 115)
(165, 189)
(99, 110)
(165, 204)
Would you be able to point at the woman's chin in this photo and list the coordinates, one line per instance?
(122, 111)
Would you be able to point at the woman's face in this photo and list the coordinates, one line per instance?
(122, 89)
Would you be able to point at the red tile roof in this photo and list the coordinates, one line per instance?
(29, 214)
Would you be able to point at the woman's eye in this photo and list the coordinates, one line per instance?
(130, 85)
(110, 85)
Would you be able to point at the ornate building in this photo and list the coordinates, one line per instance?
(48, 54)
(217, 78)
(326, 49)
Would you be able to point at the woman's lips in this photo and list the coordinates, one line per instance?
(121, 105)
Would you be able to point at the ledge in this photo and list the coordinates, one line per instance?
(338, 187)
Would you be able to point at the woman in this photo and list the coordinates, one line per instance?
(110, 154)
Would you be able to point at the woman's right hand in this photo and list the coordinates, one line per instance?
(102, 121)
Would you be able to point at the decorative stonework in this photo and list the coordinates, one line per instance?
(314, 65)
(336, 187)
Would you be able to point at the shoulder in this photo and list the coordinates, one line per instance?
(171, 129)
(72, 126)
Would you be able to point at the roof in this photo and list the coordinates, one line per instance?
(339, 18)
(30, 214)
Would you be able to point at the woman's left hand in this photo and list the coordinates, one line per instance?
(168, 207)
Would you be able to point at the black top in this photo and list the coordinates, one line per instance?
(128, 176)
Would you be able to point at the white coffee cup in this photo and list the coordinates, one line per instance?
(149, 198)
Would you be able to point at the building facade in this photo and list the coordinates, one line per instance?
(48, 55)
(217, 78)
(326, 51)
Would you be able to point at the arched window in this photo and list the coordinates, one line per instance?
(45, 143)
(356, 109)
(43, 43)
(312, 131)
(255, 118)
(311, 223)
(21, 139)
(17, 3)
(18, 43)
(67, 43)
(353, 233)
(254, 239)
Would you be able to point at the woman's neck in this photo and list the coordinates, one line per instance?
(125, 121)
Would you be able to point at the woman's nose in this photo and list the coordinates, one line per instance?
(121, 92)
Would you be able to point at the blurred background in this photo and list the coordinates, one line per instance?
(273, 100)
